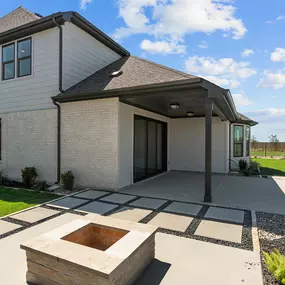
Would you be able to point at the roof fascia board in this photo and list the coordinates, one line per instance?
(46, 23)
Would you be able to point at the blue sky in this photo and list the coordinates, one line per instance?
(239, 44)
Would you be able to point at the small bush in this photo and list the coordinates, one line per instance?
(40, 186)
(275, 263)
(243, 165)
(29, 175)
(67, 179)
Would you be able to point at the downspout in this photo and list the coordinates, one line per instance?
(230, 147)
(56, 104)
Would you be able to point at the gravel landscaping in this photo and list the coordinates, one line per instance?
(271, 231)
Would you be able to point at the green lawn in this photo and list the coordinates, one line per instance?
(268, 153)
(13, 200)
(271, 166)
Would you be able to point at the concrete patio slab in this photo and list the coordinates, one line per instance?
(67, 203)
(148, 203)
(131, 214)
(225, 214)
(183, 208)
(171, 222)
(97, 208)
(91, 194)
(259, 194)
(221, 231)
(184, 261)
(118, 198)
(6, 227)
(35, 215)
(13, 267)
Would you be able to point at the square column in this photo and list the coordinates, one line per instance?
(208, 151)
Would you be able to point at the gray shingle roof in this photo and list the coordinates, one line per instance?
(136, 72)
(16, 18)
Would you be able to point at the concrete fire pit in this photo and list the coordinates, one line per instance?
(91, 250)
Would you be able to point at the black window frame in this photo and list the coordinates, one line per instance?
(247, 140)
(24, 58)
(8, 62)
(238, 143)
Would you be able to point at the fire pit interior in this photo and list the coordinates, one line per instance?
(96, 236)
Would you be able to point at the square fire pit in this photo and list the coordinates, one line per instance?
(92, 250)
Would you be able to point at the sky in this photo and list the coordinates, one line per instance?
(237, 44)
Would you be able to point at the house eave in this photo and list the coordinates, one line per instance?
(47, 22)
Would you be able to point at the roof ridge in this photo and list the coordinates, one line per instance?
(164, 67)
(23, 8)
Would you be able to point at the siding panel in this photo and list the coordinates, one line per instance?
(82, 55)
(34, 92)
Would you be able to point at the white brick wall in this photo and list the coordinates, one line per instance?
(90, 142)
(29, 139)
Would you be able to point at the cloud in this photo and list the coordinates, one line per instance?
(175, 19)
(203, 45)
(223, 82)
(242, 100)
(272, 80)
(84, 3)
(162, 47)
(279, 18)
(267, 115)
(247, 52)
(225, 67)
(278, 55)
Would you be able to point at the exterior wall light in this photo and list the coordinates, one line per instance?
(174, 106)
(190, 114)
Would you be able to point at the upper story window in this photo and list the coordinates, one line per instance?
(22, 50)
(8, 61)
(24, 57)
(238, 141)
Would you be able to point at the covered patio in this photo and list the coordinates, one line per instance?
(259, 194)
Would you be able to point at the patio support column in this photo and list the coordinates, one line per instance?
(208, 151)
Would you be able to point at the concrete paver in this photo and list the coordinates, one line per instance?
(68, 202)
(221, 231)
(97, 207)
(148, 203)
(118, 198)
(171, 222)
(91, 194)
(131, 214)
(187, 261)
(225, 214)
(183, 208)
(34, 215)
(6, 227)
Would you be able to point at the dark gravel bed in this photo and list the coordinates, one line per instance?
(271, 232)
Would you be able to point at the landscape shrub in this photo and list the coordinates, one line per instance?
(275, 263)
(67, 180)
(40, 186)
(29, 175)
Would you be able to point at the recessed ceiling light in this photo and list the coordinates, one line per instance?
(190, 114)
(174, 106)
(116, 73)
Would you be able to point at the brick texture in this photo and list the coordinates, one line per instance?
(90, 142)
(29, 139)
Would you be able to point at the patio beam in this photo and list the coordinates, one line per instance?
(208, 150)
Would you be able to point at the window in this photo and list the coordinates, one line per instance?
(238, 141)
(8, 62)
(247, 135)
(24, 56)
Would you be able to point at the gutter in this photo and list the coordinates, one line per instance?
(56, 104)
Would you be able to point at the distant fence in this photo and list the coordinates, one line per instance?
(268, 149)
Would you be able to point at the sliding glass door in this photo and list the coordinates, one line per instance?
(150, 147)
